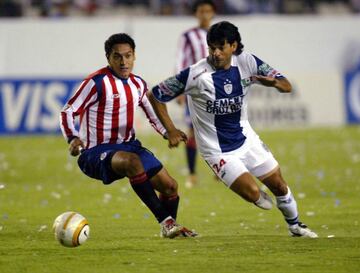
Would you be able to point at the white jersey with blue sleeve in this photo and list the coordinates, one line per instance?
(218, 101)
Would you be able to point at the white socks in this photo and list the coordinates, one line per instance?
(287, 205)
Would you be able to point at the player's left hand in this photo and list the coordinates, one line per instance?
(76, 145)
(175, 137)
(267, 81)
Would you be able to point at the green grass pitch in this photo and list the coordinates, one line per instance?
(38, 181)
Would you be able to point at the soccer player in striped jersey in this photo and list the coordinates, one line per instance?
(106, 102)
(192, 48)
(217, 89)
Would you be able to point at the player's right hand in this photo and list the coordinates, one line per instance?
(76, 145)
(175, 137)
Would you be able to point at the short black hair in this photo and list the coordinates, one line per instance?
(224, 31)
(118, 38)
(198, 3)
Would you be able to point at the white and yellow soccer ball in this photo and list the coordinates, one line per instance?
(71, 229)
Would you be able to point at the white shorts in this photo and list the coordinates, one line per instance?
(257, 160)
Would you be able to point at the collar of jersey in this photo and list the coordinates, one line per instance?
(116, 76)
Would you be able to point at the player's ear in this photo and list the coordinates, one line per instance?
(234, 46)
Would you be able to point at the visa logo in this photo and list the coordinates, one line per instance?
(33, 105)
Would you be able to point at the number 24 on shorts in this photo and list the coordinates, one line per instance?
(217, 167)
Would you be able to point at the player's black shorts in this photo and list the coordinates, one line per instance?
(96, 162)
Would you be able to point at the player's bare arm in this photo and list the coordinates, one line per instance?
(281, 84)
(75, 146)
(174, 135)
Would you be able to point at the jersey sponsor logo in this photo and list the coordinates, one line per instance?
(228, 87)
(224, 106)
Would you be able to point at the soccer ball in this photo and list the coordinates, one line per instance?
(71, 229)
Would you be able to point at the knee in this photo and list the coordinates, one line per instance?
(171, 186)
(249, 191)
(252, 193)
(128, 164)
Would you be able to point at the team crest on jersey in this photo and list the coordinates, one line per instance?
(228, 87)
(103, 156)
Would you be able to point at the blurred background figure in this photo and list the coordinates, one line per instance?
(71, 8)
(192, 48)
(10, 8)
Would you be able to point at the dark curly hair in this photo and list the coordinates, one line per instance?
(225, 31)
(119, 38)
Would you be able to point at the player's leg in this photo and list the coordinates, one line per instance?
(284, 199)
(286, 203)
(191, 156)
(191, 151)
(130, 165)
(168, 189)
(231, 170)
(167, 186)
(115, 161)
(265, 167)
(246, 187)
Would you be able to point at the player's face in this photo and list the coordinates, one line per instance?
(121, 60)
(220, 54)
(204, 14)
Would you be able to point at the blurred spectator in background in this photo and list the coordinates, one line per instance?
(62, 8)
(355, 5)
(65, 8)
(10, 8)
(192, 48)
(87, 7)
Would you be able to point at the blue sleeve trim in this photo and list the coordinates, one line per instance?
(160, 95)
(169, 89)
(258, 62)
(183, 76)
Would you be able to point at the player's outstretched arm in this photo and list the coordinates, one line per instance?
(281, 84)
(174, 135)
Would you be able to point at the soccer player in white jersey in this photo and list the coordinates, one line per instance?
(192, 48)
(217, 89)
(106, 101)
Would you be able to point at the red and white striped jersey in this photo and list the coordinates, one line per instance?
(192, 48)
(106, 105)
